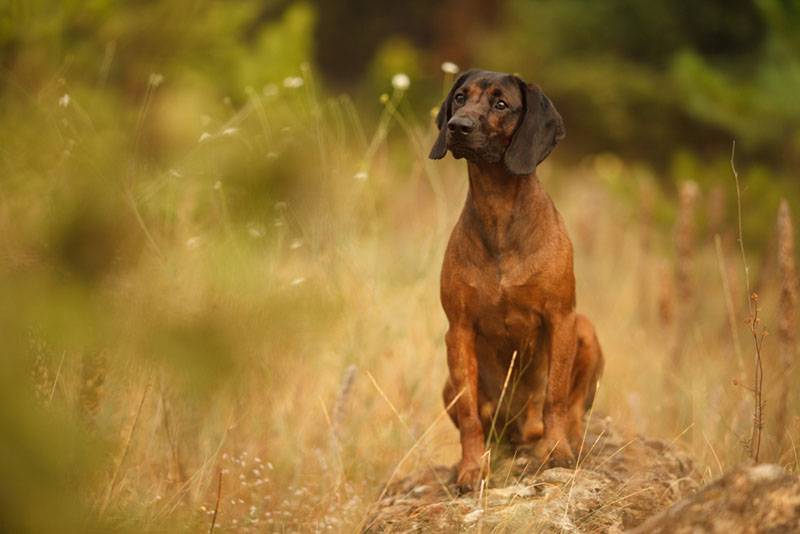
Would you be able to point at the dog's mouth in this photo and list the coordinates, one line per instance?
(461, 148)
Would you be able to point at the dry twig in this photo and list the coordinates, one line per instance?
(216, 505)
(787, 315)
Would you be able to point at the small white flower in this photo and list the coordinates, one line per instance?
(293, 82)
(193, 242)
(270, 466)
(217, 185)
(400, 81)
(230, 131)
(294, 245)
(176, 173)
(64, 100)
(156, 79)
(361, 176)
(296, 282)
(278, 223)
(205, 136)
(449, 67)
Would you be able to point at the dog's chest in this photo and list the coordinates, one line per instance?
(507, 305)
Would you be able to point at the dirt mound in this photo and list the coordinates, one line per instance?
(619, 483)
(762, 498)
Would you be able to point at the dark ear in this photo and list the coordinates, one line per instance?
(439, 148)
(537, 134)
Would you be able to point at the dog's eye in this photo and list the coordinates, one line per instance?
(459, 98)
(501, 105)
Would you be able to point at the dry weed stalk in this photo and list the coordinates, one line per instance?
(112, 485)
(93, 376)
(216, 505)
(40, 373)
(716, 212)
(44, 385)
(729, 306)
(492, 432)
(759, 333)
(666, 310)
(685, 237)
(739, 219)
(337, 417)
(172, 440)
(646, 209)
(787, 315)
(757, 330)
(339, 407)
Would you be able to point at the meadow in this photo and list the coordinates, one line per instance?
(226, 313)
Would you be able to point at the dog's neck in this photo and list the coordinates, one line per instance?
(505, 209)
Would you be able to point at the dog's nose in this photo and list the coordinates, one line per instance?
(460, 125)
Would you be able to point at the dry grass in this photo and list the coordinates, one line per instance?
(269, 362)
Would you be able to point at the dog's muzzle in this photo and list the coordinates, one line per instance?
(460, 127)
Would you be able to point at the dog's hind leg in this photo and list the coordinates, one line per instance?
(586, 371)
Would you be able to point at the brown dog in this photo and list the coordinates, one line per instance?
(507, 282)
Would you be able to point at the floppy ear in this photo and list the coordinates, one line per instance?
(537, 134)
(439, 148)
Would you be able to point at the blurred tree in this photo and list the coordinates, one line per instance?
(348, 34)
(649, 79)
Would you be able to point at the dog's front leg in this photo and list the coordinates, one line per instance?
(463, 364)
(554, 447)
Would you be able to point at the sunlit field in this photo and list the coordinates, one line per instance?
(228, 313)
(220, 245)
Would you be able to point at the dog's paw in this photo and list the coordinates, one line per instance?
(576, 440)
(554, 452)
(468, 477)
(532, 431)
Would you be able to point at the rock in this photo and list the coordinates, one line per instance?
(473, 516)
(762, 498)
(618, 484)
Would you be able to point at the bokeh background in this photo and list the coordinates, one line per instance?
(220, 241)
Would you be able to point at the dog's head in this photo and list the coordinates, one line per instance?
(490, 117)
